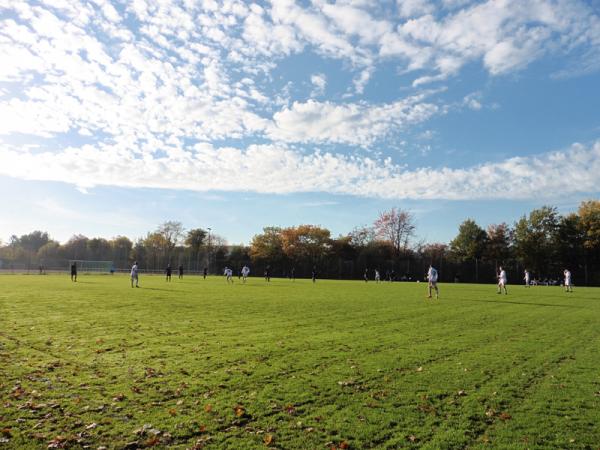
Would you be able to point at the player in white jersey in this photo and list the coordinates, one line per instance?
(432, 277)
(245, 272)
(229, 274)
(377, 276)
(568, 284)
(527, 278)
(502, 281)
(134, 275)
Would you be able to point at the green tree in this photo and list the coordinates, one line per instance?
(535, 240)
(469, 244)
(195, 241)
(267, 246)
(498, 244)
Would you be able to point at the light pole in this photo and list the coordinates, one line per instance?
(208, 262)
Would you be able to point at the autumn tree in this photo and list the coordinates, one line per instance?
(589, 219)
(267, 246)
(397, 227)
(306, 242)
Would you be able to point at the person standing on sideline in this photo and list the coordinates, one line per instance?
(502, 281)
(527, 278)
(205, 272)
(366, 275)
(432, 278)
(180, 271)
(568, 284)
(74, 272)
(168, 271)
(245, 272)
(314, 274)
(134, 274)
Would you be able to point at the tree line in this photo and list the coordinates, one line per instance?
(543, 241)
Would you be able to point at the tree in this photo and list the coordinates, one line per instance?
(362, 236)
(469, 244)
(397, 227)
(121, 247)
(33, 241)
(308, 242)
(589, 219)
(535, 238)
(171, 232)
(498, 244)
(195, 240)
(76, 247)
(267, 247)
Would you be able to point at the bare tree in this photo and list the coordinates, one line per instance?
(172, 233)
(397, 227)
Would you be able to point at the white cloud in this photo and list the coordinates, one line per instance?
(352, 123)
(276, 169)
(319, 81)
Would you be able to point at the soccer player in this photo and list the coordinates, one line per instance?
(377, 276)
(168, 272)
(268, 274)
(314, 274)
(134, 275)
(180, 271)
(568, 285)
(245, 272)
(432, 277)
(293, 274)
(527, 278)
(74, 272)
(366, 275)
(229, 274)
(502, 281)
(205, 272)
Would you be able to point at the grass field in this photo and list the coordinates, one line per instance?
(340, 364)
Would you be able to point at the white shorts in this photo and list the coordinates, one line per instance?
(502, 282)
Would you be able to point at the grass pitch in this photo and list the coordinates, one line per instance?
(198, 363)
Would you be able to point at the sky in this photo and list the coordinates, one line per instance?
(118, 116)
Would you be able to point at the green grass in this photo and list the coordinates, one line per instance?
(295, 365)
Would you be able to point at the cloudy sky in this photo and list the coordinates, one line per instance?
(116, 116)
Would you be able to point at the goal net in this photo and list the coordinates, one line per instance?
(85, 266)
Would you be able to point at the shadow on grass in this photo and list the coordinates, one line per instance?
(522, 303)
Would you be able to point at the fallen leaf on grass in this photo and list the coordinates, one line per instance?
(91, 426)
(5, 432)
(58, 442)
(344, 445)
(208, 407)
(136, 389)
(461, 393)
(490, 413)
(119, 397)
(505, 416)
(420, 369)
(173, 412)
(239, 410)
(290, 409)
(413, 438)
(268, 439)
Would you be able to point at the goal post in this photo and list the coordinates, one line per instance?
(87, 266)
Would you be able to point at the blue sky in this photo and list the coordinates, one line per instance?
(117, 116)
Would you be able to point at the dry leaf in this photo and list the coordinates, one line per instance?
(268, 439)
(461, 393)
(505, 416)
(344, 445)
(119, 397)
(173, 411)
(413, 438)
(239, 410)
(420, 369)
(208, 407)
